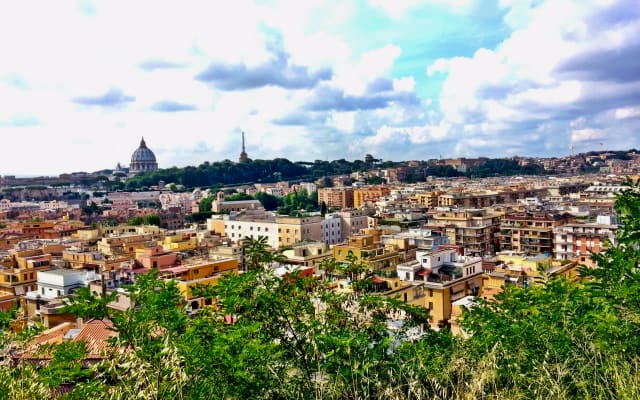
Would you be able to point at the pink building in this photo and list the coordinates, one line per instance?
(157, 257)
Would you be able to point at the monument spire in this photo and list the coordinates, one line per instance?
(243, 155)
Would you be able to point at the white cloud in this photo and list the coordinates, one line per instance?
(587, 134)
(627, 112)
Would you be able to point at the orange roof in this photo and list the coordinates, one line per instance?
(96, 334)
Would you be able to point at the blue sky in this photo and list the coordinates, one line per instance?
(82, 81)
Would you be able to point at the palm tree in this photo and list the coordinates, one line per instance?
(329, 266)
(257, 253)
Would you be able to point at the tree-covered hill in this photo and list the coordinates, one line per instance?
(230, 173)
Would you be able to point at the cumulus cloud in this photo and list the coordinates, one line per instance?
(562, 61)
(277, 71)
(172, 106)
(381, 96)
(587, 134)
(112, 98)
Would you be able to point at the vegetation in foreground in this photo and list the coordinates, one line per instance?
(294, 338)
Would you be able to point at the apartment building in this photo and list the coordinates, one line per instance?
(530, 232)
(445, 277)
(293, 230)
(475, 230)
(332, 229)
(352, 222)
(364, 248)
(578, 241)
(336, 197)
(369, 195)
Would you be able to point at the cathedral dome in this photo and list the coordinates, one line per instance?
(143, 159)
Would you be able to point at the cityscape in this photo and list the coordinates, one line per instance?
(365, 218)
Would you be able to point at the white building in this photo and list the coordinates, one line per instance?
(452, 265)
(61, 282)
(353, 221)
(237, 229)
(332, 229)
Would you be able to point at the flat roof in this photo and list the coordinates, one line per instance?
(63, 272)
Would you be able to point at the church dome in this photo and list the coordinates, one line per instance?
(143, 159)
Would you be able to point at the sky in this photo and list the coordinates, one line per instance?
(82, 81)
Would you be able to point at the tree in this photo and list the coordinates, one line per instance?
(205, 204)
(257, 253)
(135, 221)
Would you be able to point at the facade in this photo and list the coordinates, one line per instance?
(20, 276)
(293, 230)
(332, 229)
(352, 222)
(364, 248)
(473, 229)
(237, 229)
(446, 277)
(530, 233)
(143, 159)
(577, 241)
(191, 275)
(369, 195)
(336, 197)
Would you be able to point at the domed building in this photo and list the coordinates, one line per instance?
(142, 159)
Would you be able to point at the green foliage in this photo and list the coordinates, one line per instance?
(268, 201)
(294, 202)
(205, 204)
(238, 197)
(374, 180)
(151, 219)
(504, 166)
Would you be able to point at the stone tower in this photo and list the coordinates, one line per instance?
(243, 155)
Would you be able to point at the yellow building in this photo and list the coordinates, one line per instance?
(364, 248)
(91, 259)
(21, 274)
(179, 242)
(199, 273)
(308, 254)
(293, 230)
(427, 199)
(124, 246)
(446, 277)
(369, 195)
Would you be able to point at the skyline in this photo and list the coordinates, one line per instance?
(81, 82)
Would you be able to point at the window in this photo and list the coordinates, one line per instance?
(430, 292)
(430, 305)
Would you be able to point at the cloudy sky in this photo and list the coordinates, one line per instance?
(82, 81)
